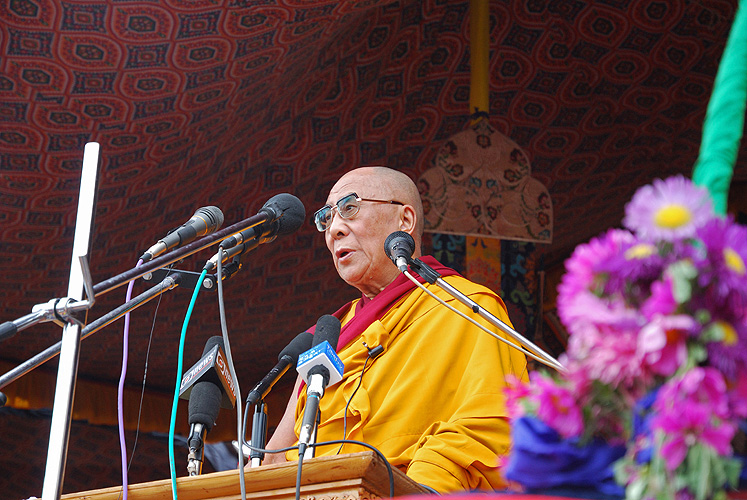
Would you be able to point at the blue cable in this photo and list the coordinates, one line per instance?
(179, 381)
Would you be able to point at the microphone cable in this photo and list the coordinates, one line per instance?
(142, 389)
(179, 367)
(388, 466)
(120, 388)
(229, 359)
(373, 353)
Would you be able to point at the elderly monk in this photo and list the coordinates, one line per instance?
(432, 402)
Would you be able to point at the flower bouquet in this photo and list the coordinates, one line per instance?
(656, 366)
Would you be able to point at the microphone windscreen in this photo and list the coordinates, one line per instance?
(300, 344)
(204, 404)
(399, 239)
(211, 342)
(213, 216)
(291, 212)
(327, 328)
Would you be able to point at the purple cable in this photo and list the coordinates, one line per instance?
(120, 392)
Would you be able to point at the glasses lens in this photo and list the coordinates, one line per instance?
(348, 206)
(322, 217)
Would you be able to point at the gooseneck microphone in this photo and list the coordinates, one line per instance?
(286, 358)
(399, 247)
(285, 214)
(206, 220)
(320, 367)
(205, 397)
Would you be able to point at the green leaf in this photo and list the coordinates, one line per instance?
(682, 273)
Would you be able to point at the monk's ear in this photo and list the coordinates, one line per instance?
(407, 219)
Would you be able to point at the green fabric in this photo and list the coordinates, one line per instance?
(724, 121)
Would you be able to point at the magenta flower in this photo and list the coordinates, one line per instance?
(688, 426)
(662, 343)
(668, 209)
(661, 301)
(693, 409)
(558, 408)
(582, 275)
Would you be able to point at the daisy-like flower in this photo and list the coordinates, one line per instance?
(668, 209)
(728, 353)
(726, 247)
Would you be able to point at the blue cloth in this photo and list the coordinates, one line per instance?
(540, 460)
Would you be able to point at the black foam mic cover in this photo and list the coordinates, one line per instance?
(327, 328)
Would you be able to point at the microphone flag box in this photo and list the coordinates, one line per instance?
(321, 354)
(212, 367)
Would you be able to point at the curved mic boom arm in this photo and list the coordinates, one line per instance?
(433, 277)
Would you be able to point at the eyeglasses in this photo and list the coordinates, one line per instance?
(347, 207)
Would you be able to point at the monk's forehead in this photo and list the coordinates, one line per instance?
(366, 184)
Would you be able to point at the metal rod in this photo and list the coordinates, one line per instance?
(175, 255)
(493, 320)
(19, 371)
(68, 367)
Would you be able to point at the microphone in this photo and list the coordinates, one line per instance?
(285, 214)
(205, 385)
(320, 367)
(399, 246)
(205, 221)
(286, 358)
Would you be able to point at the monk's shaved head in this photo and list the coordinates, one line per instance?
(393, 185)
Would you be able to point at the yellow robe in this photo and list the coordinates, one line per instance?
(433, 402)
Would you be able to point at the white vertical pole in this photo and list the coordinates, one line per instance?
(68, 365)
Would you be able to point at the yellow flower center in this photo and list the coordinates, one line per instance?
(730, 334)
(672, 216)
(640, 251)
(734, 261)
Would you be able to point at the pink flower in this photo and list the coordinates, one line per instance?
(558, 408)
(609, 354)
(662, 343)
(517, 392)
(693, 409)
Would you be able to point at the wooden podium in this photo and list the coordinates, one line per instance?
(342, 477)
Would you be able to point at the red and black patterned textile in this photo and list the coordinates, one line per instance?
(229, 102)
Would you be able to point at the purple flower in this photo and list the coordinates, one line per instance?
(729, 354)
(668, 209)
(726, 247)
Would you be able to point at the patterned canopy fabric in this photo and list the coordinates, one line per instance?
(229, 102)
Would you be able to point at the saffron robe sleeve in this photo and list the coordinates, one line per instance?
(433, 402)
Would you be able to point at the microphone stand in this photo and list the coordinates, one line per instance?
(170, 282)
(259, 433)
(433, 277)
(80, 279)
